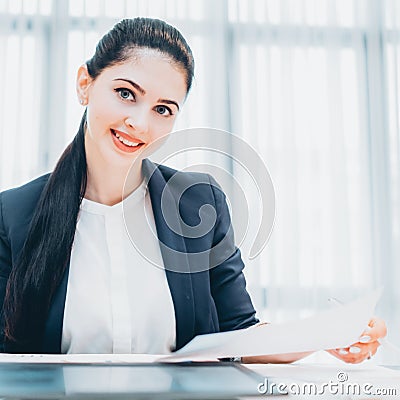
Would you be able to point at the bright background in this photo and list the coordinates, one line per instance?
(312, 85)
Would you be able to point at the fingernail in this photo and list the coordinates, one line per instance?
(343, 351)
(364, 339)
(368, 328)
(354, 350)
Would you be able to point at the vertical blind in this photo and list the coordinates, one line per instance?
(312, 85)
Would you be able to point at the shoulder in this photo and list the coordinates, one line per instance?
(19, 203)
(21, 194)
(183, 176)
(184, 181)
(196, 187)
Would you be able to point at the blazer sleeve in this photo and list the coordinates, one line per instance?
(228, 285)
(5, 267)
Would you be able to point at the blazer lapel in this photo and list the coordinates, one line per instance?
(174, 253)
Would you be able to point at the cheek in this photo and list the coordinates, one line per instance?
(161, 128)
(103, 114)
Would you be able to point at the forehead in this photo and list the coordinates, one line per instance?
(155, 72)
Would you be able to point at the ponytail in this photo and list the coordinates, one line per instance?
(46, 251)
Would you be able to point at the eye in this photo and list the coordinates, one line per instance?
(164, 110)
(125, 94)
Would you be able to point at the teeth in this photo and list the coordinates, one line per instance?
(126, 142)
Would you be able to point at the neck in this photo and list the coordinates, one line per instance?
(108, 184)
(109, 187)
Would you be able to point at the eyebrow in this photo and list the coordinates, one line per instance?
(143, 92)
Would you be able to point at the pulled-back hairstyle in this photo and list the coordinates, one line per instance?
(45, 255)
(129, 34)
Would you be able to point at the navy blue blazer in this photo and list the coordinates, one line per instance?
(205, 302)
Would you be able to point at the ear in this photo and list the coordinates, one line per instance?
(83, 81)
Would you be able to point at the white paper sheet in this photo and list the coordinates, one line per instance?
(334, 328)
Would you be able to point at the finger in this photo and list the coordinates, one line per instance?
(355, 353)
(335, 353)
(347, 358)
(380, 325)
(363, 356)
(376, 330)
(371, 353)
(355, 358)
(363, 348)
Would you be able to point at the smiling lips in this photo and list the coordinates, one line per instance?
(124, 142)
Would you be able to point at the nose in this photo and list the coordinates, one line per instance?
(138, 121)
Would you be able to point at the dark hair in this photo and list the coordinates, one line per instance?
(129, 34)
(45, 255)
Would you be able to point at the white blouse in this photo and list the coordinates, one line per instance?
(117, 301)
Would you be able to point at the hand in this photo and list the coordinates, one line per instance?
(367, 345)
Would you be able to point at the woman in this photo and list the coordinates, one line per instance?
(70, 279)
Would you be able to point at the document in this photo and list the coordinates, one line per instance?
(337, 327)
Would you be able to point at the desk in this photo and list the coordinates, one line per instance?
(64, 380)
(145, 381)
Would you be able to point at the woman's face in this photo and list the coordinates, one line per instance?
(130, 105)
